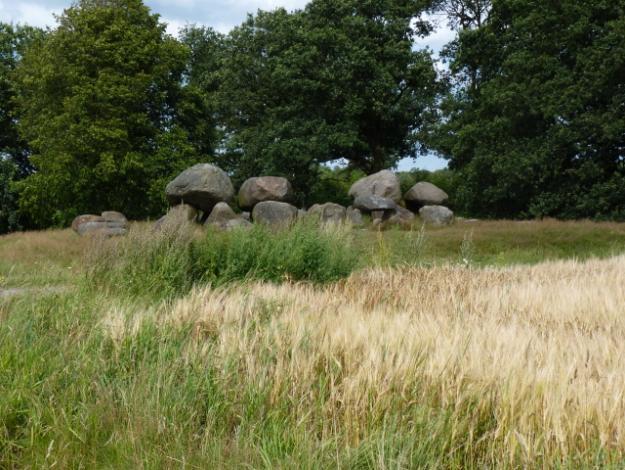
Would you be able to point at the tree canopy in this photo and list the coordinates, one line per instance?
(337, 80)
(535, 123)
(98, 106)
(102, 110)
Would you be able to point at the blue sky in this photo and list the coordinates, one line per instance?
(219, 14)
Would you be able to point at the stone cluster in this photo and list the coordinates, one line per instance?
(202, 194)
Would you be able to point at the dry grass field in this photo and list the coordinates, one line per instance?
(527, 360)
(450, 364)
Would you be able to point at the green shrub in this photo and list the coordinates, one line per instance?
(170, 262)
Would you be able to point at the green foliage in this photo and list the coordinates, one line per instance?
(14, 41)
(9, 216)
(332, 185)
(535, 123)
(336, 80)
(98, 108)
(173, 261)
(302, 253)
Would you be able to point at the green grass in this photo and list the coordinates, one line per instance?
(171, 262)
(54, 257)
(72, 397)
(497, 243)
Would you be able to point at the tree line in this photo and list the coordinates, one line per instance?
(527, 103)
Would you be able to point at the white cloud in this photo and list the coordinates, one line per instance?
(35, 15)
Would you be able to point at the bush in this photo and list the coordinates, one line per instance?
(173, 261)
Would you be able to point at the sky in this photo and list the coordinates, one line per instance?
(221, 15)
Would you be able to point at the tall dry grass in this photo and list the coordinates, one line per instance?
(527, 362)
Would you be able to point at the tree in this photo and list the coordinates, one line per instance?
(542, 133)
(97, 106)
(14, 153)
(464, 14)
(197, 110)
(338, 80)
(9, 215)
(14, 40)
(382, 90)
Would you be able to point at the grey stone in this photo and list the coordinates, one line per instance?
(436, 215)
(274, 213)
(374, 203)
(402, 218)
(177, 216)
(224, 218)
(201, 186)
(354, 216)
(264, 188)
(246, 216)
(328, 212)
(378, 215)
(82, 219)
(383, 184)
(109, 224)
(114, 216)
(425, 194)
(221, 213)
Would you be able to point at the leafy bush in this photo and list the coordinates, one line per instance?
(172, 261)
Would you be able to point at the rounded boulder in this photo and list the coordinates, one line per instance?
(425, 194)
(436, 215)
(264, 188)
(274, 213)
(328, 212)
(202, 186)
(384, 184)
(223, 217)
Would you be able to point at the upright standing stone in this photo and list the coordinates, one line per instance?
(328, 212)
(274, 214)
(354, 216)
(224, 218)
(436, 215)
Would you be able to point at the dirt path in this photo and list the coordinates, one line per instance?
(15, 291)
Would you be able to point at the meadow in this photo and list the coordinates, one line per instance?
(486, 344)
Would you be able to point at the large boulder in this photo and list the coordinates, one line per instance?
(109, 224)
(264, 188)
(383, 184)
(176, 217)
(85, 218)
(114, 216)
(354, 216)
(370, 203)
(402, 218)
(274, 213)
(425, 194)
(202, 186)
(436, 215)
(328, 212)
(224, 218)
